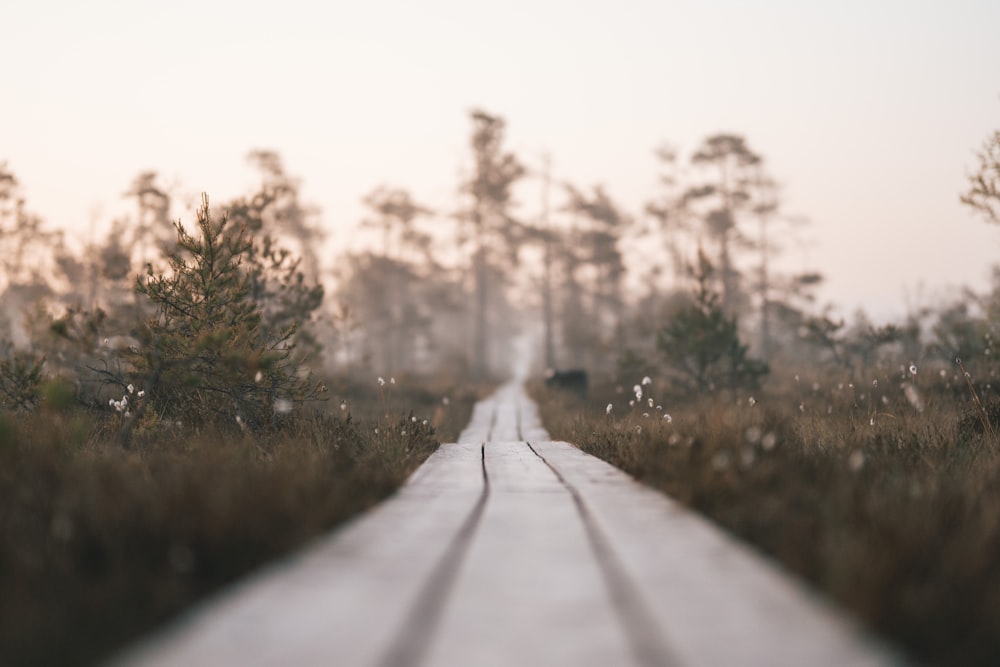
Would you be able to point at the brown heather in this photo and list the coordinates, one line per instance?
(896, 519)
(99, 544)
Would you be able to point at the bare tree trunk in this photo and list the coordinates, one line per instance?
(480, 333)
(765, 297)
(547, 315)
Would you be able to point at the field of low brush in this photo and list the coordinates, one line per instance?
(882, 491)
(99, 544)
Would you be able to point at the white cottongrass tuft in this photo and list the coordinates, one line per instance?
(646, 381)
(768, 441)
(913, 396)
(608, 409)
(381, 381)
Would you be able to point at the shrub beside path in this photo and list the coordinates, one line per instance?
(509, 549)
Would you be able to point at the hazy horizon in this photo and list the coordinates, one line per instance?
(869, 115)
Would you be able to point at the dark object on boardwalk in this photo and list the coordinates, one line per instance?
(574, 379)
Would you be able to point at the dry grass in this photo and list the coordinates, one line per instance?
(894, 512)
(98, 545)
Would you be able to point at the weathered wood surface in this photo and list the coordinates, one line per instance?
(509, 549)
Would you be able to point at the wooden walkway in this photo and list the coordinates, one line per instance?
(509, 549)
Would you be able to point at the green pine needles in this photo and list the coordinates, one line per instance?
(701, 344)
(209, 352)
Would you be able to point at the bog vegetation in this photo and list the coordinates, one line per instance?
(171, 424)
(865, 459)
(198, 391)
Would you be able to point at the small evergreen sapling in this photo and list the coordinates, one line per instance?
(21, 381)
(207, 352)
(701, 345)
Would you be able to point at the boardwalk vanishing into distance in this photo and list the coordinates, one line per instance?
(509, 549)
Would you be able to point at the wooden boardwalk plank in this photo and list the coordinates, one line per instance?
(510, 549)
(530, 591)
(717, 602)
(347, 600)
(498, 418)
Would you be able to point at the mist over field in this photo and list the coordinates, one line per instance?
(868, 116)
(745, 254)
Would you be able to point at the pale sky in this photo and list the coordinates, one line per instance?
(868, 112)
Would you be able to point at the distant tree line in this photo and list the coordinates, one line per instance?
(687, 287)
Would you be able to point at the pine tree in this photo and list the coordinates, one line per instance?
(701, 344)
(207, 352)
(494, 230)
